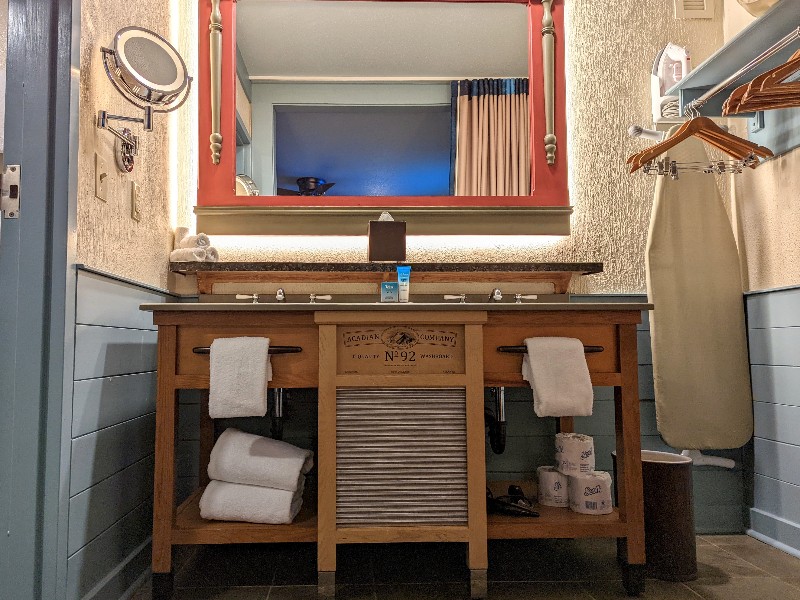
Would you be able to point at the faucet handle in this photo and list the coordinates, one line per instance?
(280, 295)
(315, 297)
(253, 297)
(496, 295)
(518, 298)
(462, 297)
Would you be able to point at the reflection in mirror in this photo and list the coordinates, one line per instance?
(361, 94)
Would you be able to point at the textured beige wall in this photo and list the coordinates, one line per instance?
(610, 52)
(765, 206)
(107, 237)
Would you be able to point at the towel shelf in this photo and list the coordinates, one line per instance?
(524, 349)
(272, 350)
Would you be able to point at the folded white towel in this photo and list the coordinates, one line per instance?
(557, 371)
(223, 501)
(211, 254)
(187, 255)
(240, 371)
(240, 457)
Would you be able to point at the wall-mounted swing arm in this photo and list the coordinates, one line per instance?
(141, 67)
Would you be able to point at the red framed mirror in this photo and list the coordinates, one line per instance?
(217, 82)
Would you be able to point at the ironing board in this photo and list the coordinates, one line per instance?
(700, 362)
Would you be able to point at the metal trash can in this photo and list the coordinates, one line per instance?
(668, 515)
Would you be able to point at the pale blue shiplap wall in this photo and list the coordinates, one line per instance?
(112, 438)
(773, 320)
(719, 499)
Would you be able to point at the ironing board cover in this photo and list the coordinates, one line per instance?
(700, 362)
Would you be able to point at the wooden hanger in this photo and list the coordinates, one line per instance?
(708, 131)
(767, 91)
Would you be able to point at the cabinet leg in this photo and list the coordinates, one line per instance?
(478, 584)
(326, 584)
(163, 586)
(633, 579)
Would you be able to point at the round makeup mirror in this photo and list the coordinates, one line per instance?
(148, 71)
(148, 66)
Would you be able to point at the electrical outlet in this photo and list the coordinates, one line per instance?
(136, 214)
(100, 178)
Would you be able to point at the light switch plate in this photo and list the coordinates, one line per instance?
(136, 213)
(100, 178)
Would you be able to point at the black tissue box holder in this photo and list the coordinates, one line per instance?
(387, 241)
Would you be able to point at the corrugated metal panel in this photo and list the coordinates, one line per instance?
(401, 456)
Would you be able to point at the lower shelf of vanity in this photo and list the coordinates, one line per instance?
(190, 528)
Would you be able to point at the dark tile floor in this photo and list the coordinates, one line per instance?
(729, 568)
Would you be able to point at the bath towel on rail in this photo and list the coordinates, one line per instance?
(240, 457)
(240, 371)
(559, 376)
(223, 501)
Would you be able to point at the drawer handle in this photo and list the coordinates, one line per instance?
(524, 349)
(272, 350)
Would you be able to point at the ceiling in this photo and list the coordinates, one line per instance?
(313, 39)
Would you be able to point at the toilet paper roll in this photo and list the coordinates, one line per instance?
(553, 487)
(574, 453)
(590, 493)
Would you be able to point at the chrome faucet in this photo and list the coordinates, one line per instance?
(280, 295)
(315, 297)
(496, 295)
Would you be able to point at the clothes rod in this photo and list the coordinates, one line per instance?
(272, 350)
(783, 43)
(524, 349)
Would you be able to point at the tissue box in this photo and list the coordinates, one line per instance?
(387, 241)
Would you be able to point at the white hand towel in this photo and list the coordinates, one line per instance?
(559, 376)
(240, 457)
(223, 501)
(211, 254)
(240, 371)
(187, 255)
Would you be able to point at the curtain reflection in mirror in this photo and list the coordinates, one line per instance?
(491, 125)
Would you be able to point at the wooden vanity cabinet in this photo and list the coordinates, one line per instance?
(182, 328)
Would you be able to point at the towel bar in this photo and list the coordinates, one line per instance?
(524, 349)
(272, 350)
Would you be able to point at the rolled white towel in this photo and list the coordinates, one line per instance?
(187, 255)
(211, 254)
(240, 371)
(223, 501)
(240, 457)
(180, 233)
(195, 241)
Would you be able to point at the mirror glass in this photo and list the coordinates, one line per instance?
(358, 94)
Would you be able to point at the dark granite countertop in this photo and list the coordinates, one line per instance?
(195, 267)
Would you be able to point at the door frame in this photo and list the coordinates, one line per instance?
(36, 293)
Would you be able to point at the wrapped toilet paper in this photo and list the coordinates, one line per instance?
(574, 453)
(590, 493)
(552, 487)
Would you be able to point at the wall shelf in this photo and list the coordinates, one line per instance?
(779, 129)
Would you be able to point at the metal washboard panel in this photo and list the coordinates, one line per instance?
(401, 456)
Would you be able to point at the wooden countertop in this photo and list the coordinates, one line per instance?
(321, 306)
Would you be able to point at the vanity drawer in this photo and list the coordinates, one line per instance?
(508, 329)
(288, 370)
